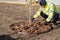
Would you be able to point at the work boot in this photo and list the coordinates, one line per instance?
(54, 25)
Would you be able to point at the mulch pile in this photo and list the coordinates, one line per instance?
(32, 27)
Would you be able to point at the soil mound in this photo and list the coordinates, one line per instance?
(32, 27)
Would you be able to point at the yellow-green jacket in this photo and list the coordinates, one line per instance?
(49, 10)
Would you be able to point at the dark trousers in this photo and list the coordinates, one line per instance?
(55, 16)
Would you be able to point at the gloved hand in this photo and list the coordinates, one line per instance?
(46, 23)
(32, 19)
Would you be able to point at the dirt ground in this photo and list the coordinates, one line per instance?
(13, 13)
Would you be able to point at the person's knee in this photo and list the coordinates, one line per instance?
(55, 17)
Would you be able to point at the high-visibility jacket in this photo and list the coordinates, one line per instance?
(49, 9)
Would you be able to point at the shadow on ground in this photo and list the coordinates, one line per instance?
(6, 37)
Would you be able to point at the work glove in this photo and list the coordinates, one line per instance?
(32, 19)
(46, 23)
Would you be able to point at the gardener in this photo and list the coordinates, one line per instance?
(48, 11)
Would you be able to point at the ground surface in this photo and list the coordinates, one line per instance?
(13, 13)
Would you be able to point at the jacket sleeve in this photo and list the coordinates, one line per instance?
(50, 13)
(37, 14)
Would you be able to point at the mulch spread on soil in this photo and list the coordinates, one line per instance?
(30, 27)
